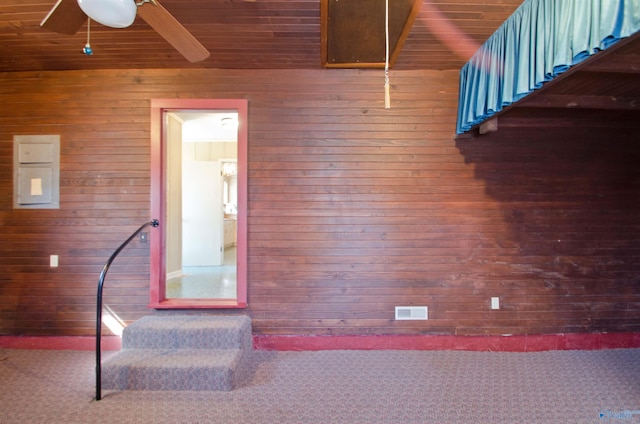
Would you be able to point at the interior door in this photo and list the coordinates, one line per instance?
(202, 214)
(209, 232)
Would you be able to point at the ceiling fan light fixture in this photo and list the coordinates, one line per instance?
(111, 13)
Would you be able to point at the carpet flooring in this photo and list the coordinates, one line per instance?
(385, 386)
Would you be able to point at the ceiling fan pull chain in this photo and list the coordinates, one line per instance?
(387, 96)
(87, 47)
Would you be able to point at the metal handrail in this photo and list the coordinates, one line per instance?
(154, 223)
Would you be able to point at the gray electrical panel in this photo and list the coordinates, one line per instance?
(36, 171)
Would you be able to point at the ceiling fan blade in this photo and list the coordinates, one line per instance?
(171, 30)
(65, 17)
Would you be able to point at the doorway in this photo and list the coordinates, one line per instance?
(199, 162)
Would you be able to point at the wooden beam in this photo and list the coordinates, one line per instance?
(583, 102)
(489, 126)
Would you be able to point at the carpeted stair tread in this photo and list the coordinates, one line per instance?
(172, 369)
(189, 332)
(173, 352)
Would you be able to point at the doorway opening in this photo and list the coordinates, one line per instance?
(199, 175)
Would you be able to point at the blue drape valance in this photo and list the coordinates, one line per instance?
(542, 39)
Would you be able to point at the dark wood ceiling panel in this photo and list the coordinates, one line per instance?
(354, 33)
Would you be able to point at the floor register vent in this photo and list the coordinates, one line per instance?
(412, 312)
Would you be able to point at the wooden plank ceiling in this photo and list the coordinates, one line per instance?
(240, 34)
(287, 34)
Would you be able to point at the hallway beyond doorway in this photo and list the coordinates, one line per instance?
(206, 282)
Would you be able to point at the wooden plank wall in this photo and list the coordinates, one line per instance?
(567, 254)
(353, 209)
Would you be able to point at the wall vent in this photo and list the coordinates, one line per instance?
(412, 312)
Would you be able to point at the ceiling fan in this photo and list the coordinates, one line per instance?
(67, 16)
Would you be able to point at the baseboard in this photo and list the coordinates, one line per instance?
(59, 342)
(175, 274)
(514, 343)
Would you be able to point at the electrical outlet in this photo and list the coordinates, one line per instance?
(495, 303)
(144, 237)
(53, 261)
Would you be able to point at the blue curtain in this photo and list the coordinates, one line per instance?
(542, 39)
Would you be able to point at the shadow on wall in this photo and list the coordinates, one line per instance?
(571, 201)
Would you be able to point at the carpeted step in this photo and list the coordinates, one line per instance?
(171, 352)
(188, 332)
(172, 369)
